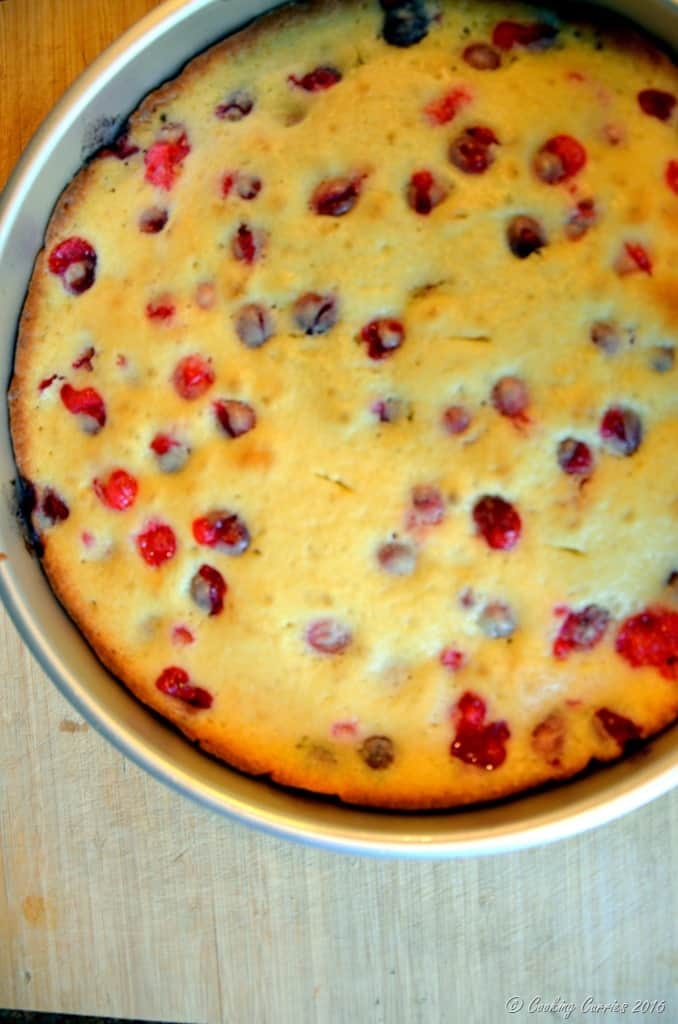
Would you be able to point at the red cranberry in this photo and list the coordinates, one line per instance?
(574, 457)
(473, 150)
(208, 589)
(248, 244)
(164, 158)
(534, 35)
(651, 639)
(87, 404)
(497, 522)
(153, 220)
(315, 314)
(182, 636)
(510, 397)
(581, 219)
(382, 337)
(497, 621)
(119, 491)
(482, 57)
(456, 419)
(559, 159)
(238, 105)
(235, 418)
(581, 631)
(175, 682)
(622, 430)
(606, 336)
(452, 658)
(74, 260)
(445, 107)
(633, 258)
(170, 453)
(53, 507)
(427, 507)
(121, 148)
(222, 530)
(254, 325)
(318, 80)
(157, 543)
(477, 742)
(328, 636)
(248, 186)
(622, 730)
(672, 175)
(548, 739)
(397, 558)
(378, 752)
(160, 309)
(406, 22)
(657, 103)
(193, 376)
(48, 381)
(424, 192)
(84, 361)
(336, 197)
(524, 236)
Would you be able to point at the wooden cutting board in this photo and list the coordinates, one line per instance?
(117, 897)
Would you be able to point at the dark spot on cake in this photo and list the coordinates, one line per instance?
(377, 752)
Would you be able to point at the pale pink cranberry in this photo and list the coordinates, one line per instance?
(378, 752)
(254, 325)
(171, 454)
(328, 636)
(84, 361)
(118, 491)
(193, 376)
(524, 235)
(536, 35)
(657, 103)
(87, 404)
(559, 159)
(482, 57)
(398, 558)
(235, 418)
(153, 220)
(175, 682)
(318, 80)
(389, 410)
(650, 638)
(476, 741)
(345, 730)
(427, 507)
(497, 522)
(205, 295)
(315, 314)
(548, 739)
(74, 260)
(382, 337)
(452, 658)
(223, 530)
(336, 197)
(425, 192)
(633, 258)
(164, 158)
(156, 543)
(622, 730)
(581, 631)
(456, 419)
(442, 109)
(622, 430)
(473, 151)
(574, 457)
(511, 398)
(208, 589)
(248, 244)
(237, 106)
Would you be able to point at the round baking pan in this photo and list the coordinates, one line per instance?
(85, 118)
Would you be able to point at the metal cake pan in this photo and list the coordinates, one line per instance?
(101, 98)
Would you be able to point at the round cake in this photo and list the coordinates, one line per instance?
(345, 402)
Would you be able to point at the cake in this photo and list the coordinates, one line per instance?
(344, 401)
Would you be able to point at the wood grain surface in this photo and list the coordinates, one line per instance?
(118, 897)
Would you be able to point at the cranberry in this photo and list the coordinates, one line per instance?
(548, 739)
(84, 361)
(382, 337)
(581, 219)
(473, 150)
(510, 397)
(235, 418)
(153, 220)
(535, 35)
(87, 404)
(397, 558)
(157, 543)
(248, 186)
(445, 107)
(662, 358)
(336, 197)
(651, 638)
(406, 22)
(254, 325)
(193, 376)
(208, 589)
(315, 314)
(452, 658)
(497, 621)
(377, 752)
(389, 410)
(318, 80)
(205, 294)
(163, 159)
(119, 491)
(622, 430)
(608, 337)
(574, 457)
(497, 522)
(427, 507)
(53, 507)
(160, 309)
(344, 730)
(482, 57)
(121, 148)
(222, 530)
(524, 236)
(424, 192)
(633, 258)
(248, 244)
(175, 682)
(672, 175)
(170, 453)
(456, 419)
(182, 636)
(559, 159)
(328, 636)
(74, 260)
(477, 742)
(48, 381)
(622, 730)
(237, 106)
(581, 631)
(657, 103)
